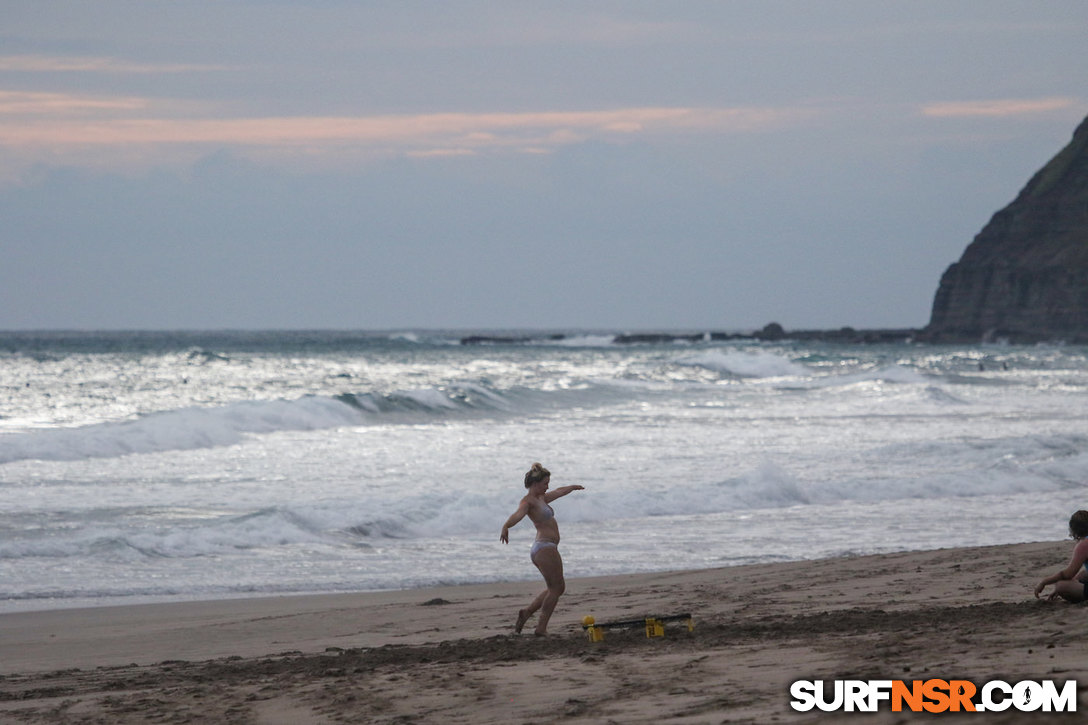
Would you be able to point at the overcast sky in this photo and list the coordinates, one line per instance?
(634, 165)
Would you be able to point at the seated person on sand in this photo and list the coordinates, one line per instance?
(545, 551)
(1071, 582)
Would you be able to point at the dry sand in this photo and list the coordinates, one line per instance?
(449, 655)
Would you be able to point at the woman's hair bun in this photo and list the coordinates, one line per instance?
(536, 473)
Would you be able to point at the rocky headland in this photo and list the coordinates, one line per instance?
(1024, 278)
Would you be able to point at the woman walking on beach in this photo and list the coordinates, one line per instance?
(1071, 583)
(545, 551)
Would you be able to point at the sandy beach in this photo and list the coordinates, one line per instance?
(450, 655)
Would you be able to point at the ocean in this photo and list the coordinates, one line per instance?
(164, 466)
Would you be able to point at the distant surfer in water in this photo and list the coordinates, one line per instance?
(545, 551)
(1071, 582)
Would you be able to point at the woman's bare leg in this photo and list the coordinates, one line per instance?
(1070, 590)
(524, 614)
(550, 564)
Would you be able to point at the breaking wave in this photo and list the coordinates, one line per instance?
(756, 364)
(197, 427)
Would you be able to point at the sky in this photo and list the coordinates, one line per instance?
(344, 164)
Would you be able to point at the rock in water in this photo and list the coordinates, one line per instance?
(1025, 276)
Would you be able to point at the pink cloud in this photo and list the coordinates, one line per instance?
(1001, 107)
(86, 64)
(131, 134)
(436, 131)
(48, 104)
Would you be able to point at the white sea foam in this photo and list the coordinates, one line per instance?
(942, 396)
(751, 364)
(896, 374)
(373, 462)
(1034, 467)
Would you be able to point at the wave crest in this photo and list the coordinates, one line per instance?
(194, 428)
(746, 364)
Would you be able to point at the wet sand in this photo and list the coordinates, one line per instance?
(449, 655)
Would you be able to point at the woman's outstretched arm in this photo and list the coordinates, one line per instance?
(560, 492)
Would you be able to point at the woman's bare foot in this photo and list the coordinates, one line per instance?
(523, 617)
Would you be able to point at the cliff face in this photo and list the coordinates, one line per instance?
(1025, 276)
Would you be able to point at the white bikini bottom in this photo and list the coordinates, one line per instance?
(538, 545)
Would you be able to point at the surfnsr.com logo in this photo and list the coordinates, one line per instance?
(934, 696)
